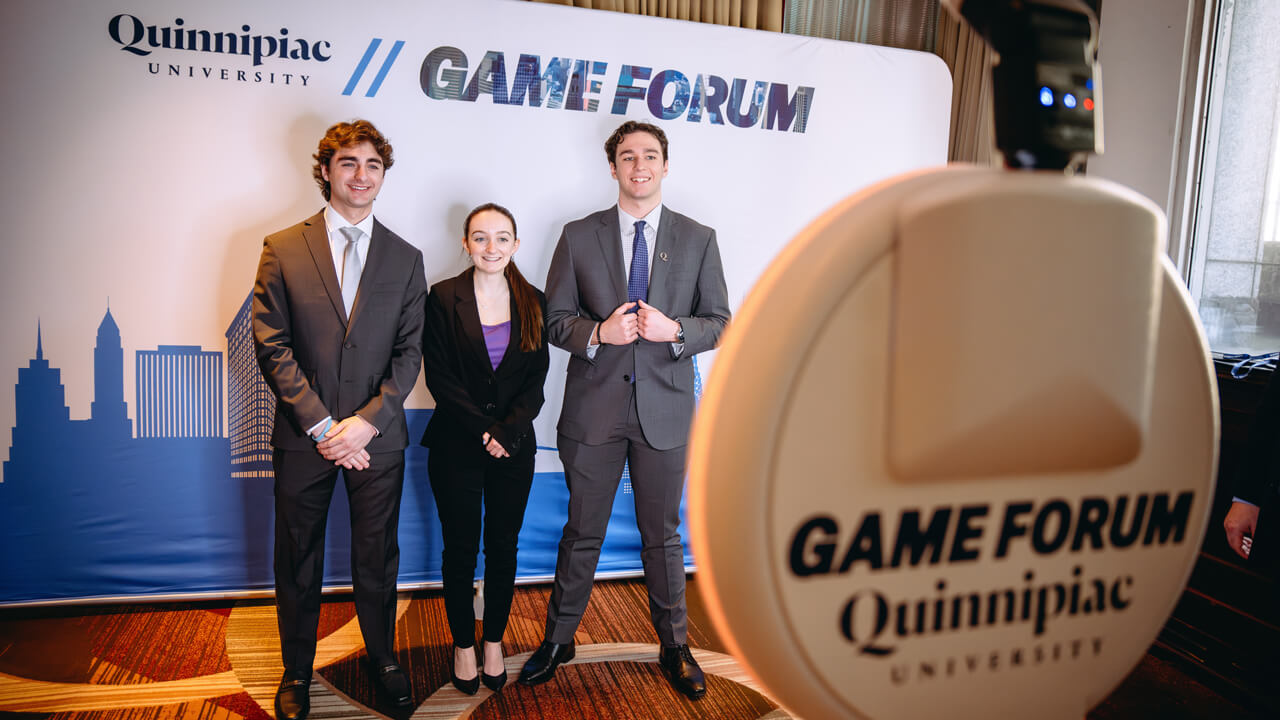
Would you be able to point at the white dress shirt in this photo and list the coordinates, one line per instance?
(627, 232)
(333, 224)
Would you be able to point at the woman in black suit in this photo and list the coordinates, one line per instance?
(485, 353)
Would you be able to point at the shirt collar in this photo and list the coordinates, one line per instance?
(334, 222)
(626, 222)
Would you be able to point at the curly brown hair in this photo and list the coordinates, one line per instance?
(632, 126)
(346, 134)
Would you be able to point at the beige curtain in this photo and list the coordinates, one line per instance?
(754, 14)
(972, 123)
(909, 24)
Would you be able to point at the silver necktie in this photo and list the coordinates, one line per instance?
(350, 276)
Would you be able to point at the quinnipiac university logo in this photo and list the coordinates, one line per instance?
(189, 48)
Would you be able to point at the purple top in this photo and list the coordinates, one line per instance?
(496, 338)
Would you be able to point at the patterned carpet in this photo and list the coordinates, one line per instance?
(221, 660)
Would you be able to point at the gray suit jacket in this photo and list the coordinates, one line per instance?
(316, 360)
(586, 283)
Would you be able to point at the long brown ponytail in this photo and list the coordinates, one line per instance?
(528, 309)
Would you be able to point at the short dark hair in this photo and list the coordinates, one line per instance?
(633, 126)
(346, 134)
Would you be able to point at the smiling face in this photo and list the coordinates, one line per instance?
(639, 166)
(355, 176)
(491, 241)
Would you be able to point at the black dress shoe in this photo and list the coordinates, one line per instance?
(393, 684)
(466, 687)
(494, 682)
(682, 671)
(293, 697)
(544, 661)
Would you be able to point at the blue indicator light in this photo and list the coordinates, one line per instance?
(1089, 83)
(1046, 96)
(1069, 100)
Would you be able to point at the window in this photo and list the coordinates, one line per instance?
(1235, 271)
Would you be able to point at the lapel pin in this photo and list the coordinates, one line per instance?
(663, 255)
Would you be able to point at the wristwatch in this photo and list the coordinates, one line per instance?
(679, 332)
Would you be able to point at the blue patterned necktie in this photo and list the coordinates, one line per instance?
(638, 278)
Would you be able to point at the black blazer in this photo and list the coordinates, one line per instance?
(1257, 479)
(471, 397)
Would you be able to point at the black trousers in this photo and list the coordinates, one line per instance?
(474, 489)
(303, 489)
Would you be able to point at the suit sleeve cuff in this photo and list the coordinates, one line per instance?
(591, 349)
(318, 430)
(372, 424)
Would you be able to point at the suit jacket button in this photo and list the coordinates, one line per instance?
(348, 345)
(626, 378)
(489, 407)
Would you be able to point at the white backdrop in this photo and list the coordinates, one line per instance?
(148, 180)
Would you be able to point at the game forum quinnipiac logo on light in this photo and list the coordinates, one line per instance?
(181, 50)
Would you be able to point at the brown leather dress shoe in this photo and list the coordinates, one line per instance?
(541, 666)
(293, 697)
(682, 671)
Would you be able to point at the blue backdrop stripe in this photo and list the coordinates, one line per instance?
(91, 510)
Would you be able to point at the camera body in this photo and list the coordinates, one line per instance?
(1045, 78)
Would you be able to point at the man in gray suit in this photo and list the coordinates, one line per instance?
(633, 293)
(337, 326)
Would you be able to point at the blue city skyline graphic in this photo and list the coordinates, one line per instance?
(168, 501)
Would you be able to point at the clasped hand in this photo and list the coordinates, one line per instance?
(624, 327)
(345, 442)
(494, 447)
